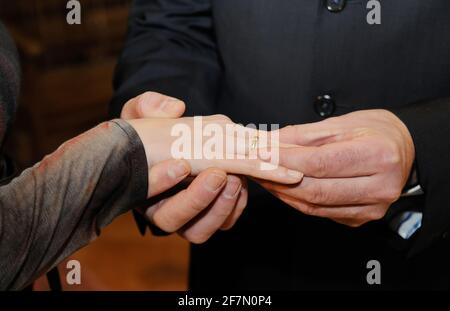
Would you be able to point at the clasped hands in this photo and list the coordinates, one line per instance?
(349, 169)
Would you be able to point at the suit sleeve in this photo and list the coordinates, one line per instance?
(62, 203)
(428, 123)
(170, 48)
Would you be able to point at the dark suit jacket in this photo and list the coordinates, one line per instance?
(267, 61)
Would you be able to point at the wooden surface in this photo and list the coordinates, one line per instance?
(121, 259)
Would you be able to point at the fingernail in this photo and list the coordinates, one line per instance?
(178, 170)
(232, 189)
(214, 182)
(295, 174)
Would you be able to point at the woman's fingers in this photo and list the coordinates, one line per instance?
(166, 174)
(171, 214)
(210, 220)
(159, 144)
(152, 105)
(253, 168)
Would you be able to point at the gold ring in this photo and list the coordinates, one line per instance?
(255, 141)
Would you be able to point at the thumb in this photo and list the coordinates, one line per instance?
(152, 105)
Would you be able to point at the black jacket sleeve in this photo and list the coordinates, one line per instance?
(170, 48)
(428, 123)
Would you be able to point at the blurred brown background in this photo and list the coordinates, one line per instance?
(67, 85)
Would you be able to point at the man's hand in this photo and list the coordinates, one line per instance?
(212, 201)
(355, 166)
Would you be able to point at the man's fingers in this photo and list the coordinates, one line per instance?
(239, 208)
(338, 191)
(319, 133)
(209, 221)
(342, 159)
(310, 134)
(345, 221)
(173, 213)
(165, 175)
(350, 215)
(152, 105)
(353, 216)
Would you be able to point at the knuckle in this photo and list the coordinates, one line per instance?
(224, 210)
(195, 203)
(197, 238)
(377, 214)
(318, 164)
(355, 224)
(308, 209)
(390, 157)
(191, 200)
(227, 227)
(164, 223)
(391, 194)
(356, 220)
(354, 215)
(317, 195)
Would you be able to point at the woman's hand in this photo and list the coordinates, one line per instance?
(205, 142)
(212, 201)
(200, 210)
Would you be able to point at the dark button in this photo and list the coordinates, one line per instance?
(445, 235)
(324, 106)
(335, 5)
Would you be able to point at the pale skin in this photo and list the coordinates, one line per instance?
(214, 199)
(355, 166)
